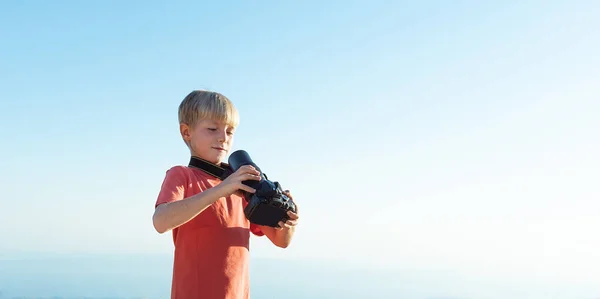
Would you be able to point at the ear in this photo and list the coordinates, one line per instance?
(184, 129)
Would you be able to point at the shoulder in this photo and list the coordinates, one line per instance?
(178, 170)
(174, 185)
(177, 175)
(188, 177)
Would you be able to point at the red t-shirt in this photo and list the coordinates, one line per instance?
(212, 250)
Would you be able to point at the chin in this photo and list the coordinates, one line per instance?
(212, 156)
(216, 160)
(219, 159)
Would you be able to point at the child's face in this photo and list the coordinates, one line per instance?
(209, 140)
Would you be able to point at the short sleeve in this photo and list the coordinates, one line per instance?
(173, 186)
(255, 229)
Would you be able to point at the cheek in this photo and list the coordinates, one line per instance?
(199, 138)
(202, 135)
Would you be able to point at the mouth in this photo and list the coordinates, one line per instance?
(220, 149)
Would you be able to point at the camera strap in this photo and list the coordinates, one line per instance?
(221, 171)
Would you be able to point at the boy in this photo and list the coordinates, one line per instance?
(210, 232)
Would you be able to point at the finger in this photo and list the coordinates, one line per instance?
(246, 176)
(246, 188)
(250, 176)
(249, 168)
(291, 223)
(246, 169)
(293, 215)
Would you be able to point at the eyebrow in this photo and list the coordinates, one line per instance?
(219, 123)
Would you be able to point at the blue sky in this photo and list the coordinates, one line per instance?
(461, 136)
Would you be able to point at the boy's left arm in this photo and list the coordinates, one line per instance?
(282, 236)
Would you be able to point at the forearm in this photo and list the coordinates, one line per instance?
(280, 237)
(174, 214)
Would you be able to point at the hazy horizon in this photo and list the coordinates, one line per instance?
(132, 276)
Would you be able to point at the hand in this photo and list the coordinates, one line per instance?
(233, 182)
(293, 221)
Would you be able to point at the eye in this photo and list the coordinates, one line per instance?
(212, 129)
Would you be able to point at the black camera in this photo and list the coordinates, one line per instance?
(268, 205)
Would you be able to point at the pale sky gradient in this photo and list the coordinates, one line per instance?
(461, 136)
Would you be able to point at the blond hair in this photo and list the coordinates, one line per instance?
(200, 105)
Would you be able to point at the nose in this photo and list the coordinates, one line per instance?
(222, 136)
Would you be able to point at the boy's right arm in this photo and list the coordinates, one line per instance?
(168, 216)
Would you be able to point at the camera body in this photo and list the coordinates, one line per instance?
(268, 205)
